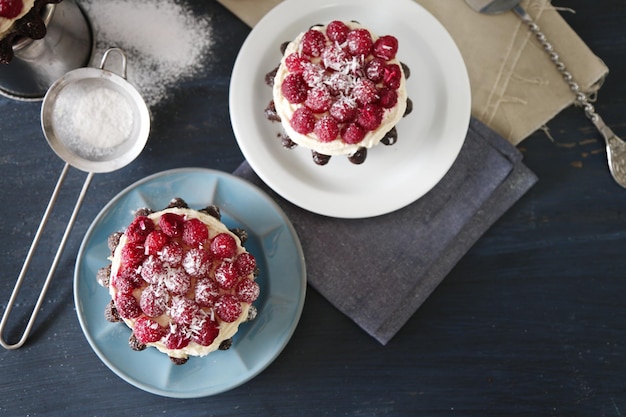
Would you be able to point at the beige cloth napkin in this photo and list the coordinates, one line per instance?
(515, 87)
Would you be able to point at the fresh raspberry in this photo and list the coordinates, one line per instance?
(155, 242)
(303, 120)
(375, 69)
(177, 280)
(385, 47)
(206, 292)
(339, 84)
(126, 281)
(226, 275)
(127, 306)
(153, 301)
(10, 8)
(228, 308)
(370, 116)
(318, 99)
(183, 310)
(294, 62)
(313, 74)
(204, 331)
(246, 264)
(335, 58)
(194, 232)
(148, 331)
(337, 31)
(352, 134)
(172, 254)
(152, 270)
(138, 229)
(132, 255)
(388, 97)
(133, 275)
(392, 76)
(197, 262)
(224, 246)
(365, 92)
(326, 129)
(171, 224)
(313, 42)
(247, 290)
(359, 42)
(121, 284)
(294, 88)
(178, 337)
(344, 110)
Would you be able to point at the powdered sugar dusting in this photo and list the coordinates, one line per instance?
(165, 41)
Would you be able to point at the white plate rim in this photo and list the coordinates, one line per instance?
(316, 193)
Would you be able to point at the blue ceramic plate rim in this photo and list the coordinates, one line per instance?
(272, 239)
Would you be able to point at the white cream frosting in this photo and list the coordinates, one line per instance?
(285, 109)
(7, 24)
(226, 330)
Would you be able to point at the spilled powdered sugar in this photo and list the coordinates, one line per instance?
(165, 41)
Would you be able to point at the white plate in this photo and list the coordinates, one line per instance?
(271, 239)
(429, 139)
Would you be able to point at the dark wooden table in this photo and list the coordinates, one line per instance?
(531, 322)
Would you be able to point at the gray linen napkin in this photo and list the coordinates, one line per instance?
(379, 270)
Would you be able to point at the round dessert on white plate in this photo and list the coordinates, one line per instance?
(429, 139)
(282, 278)
(339, 90)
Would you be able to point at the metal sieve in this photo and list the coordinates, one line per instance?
(62, 119)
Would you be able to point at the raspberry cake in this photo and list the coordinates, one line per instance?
(339, 90)
(20, 19)
(181, 280)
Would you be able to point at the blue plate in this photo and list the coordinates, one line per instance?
(273, 242)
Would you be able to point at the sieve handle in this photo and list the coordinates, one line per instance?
(31, 252)
(105, 56)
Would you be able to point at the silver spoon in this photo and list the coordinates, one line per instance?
(615, 147)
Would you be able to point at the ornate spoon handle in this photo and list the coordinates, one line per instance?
(615, 147)
(554, 57)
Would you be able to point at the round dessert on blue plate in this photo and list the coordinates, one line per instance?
(271, 240)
